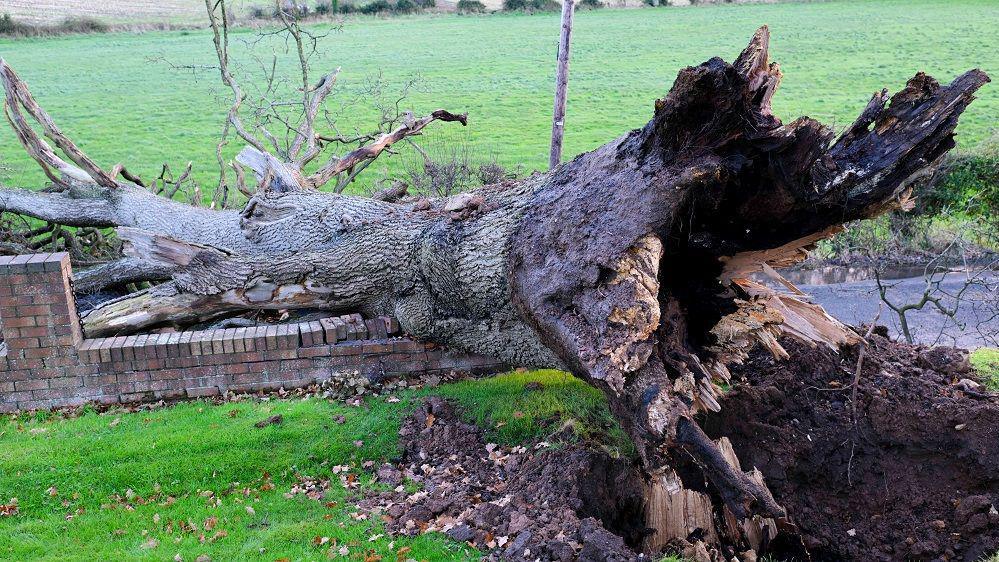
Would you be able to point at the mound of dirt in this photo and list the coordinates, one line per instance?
(913, 474)
(914, 477)
(537, 503)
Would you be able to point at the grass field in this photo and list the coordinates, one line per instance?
(99, 487)
(47, 12)
(121, 106)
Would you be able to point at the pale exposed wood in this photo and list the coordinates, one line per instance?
(675, 512)
(306, 134)
(284, 177)
(746, 263)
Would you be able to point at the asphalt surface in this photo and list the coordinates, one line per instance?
(976, 323)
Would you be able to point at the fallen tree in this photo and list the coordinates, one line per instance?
(628, 266)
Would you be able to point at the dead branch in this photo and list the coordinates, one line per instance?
(17, 93)
(337, 166)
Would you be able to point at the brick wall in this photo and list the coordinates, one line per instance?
(45, 361)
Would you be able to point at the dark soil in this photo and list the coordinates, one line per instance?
(917, 476)
(547, 503)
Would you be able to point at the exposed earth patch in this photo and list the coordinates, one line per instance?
(915, 476)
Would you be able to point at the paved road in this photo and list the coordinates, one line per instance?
(977, 323)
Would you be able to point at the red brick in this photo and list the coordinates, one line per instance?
(376, 348)
(273, 354)
(139, 349)
(270, 336)
(128, 348)
(31, 384)
(184, 345)
(66, 382)
(42, 310)
(249, 342)
(162, 345)
(32, 351)
(19, 322)
(318, 351)
(32, 364)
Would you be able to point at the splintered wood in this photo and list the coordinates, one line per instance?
(682, 517)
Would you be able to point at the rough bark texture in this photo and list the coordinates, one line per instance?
(626, 266)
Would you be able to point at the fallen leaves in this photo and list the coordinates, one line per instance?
(277, 419)
(9, 509)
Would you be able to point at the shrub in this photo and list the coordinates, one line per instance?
(405, 6)
(375, 7)
(968, 183)
(531, 5)
(82, 25)
(545, 6)
(470, 6)
(589, 4)
(10, 26)
(326, 8)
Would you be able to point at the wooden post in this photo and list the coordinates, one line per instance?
(561, 83)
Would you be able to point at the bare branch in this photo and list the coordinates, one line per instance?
(306, 132)
(17, 92)
(220, 32)
(371, 151)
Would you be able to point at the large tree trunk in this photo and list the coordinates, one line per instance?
(626, 266)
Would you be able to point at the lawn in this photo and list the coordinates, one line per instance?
(117, 98)
(986, 363)
(141, 486)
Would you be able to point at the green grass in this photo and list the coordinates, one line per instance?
(986, 363)
(121, 107)
(58, 467)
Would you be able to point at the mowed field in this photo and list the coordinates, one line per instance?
(109, 11)
(115, 96)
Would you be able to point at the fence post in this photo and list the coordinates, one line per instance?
(561, 84)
